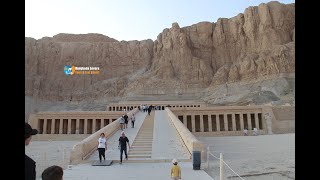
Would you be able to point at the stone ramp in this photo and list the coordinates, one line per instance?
(167, 143)
(112, 152)
(142, 145)
(154, 139)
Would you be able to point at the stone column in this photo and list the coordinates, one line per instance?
(45, 126)
(77, 126)
(241, 122)
(185, 120)
(94, 125)
(85, 130)
(69, 126)
(234, 128)
(225, 120)
(256, 120)
(217, 122)
(52, 126)
(249, 121)
(101, 123)
(201, 123)
(210, 122)
(193, 123)
(60, 126)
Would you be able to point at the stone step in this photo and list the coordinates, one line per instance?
(142, 145)
(142, 142)
(141, 150)
(139, 156)
(140, 153)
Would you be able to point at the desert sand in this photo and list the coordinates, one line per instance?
(264, 157)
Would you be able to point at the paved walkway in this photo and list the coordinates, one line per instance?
(132, 171)
(167, 143)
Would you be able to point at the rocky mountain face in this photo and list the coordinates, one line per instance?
(196, 61)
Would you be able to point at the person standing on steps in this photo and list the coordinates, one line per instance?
(132, 120)
(126, 121)
(102, 146)
(123, 141)
(149, 110)
(122, 122)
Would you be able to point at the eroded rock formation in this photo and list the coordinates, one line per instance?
(254, 45)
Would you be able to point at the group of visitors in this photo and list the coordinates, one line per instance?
(146, 108)
(254, 132)
(50, 173)
(124, 120)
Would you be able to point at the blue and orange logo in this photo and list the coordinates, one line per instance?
(69, 70)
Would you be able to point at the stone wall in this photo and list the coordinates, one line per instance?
(86, 147)
(191, 142)
(284, 121)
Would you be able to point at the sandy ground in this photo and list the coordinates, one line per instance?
(264, 157)
(48, 153)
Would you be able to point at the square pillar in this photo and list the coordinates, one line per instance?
(94, 125)
(241, 122)
(52, 125)
(210, 123)
(193, 123)
(234, 122)
(185, 120)
(256, 120)
(77, 126)
(85, 126)
(249, 121)
(217, 122)
(45, 126)
(101, 123)
(60, 126)
(225, 120)
(69, 126)
(201, 123)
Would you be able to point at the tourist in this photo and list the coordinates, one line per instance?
(255, 131)
(102, 146)
(29, 164)
(149, 110)
(245, 132)
(52, 173)
(123, 141)
(175, 170)
(132, 120)
(126, 121)
(122, 121)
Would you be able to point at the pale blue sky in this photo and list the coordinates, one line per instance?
(125, 19)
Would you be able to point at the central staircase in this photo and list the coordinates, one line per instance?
(141, 148)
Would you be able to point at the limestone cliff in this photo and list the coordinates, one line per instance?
(190, 60)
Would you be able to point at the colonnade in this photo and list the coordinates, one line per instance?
(212, 122)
